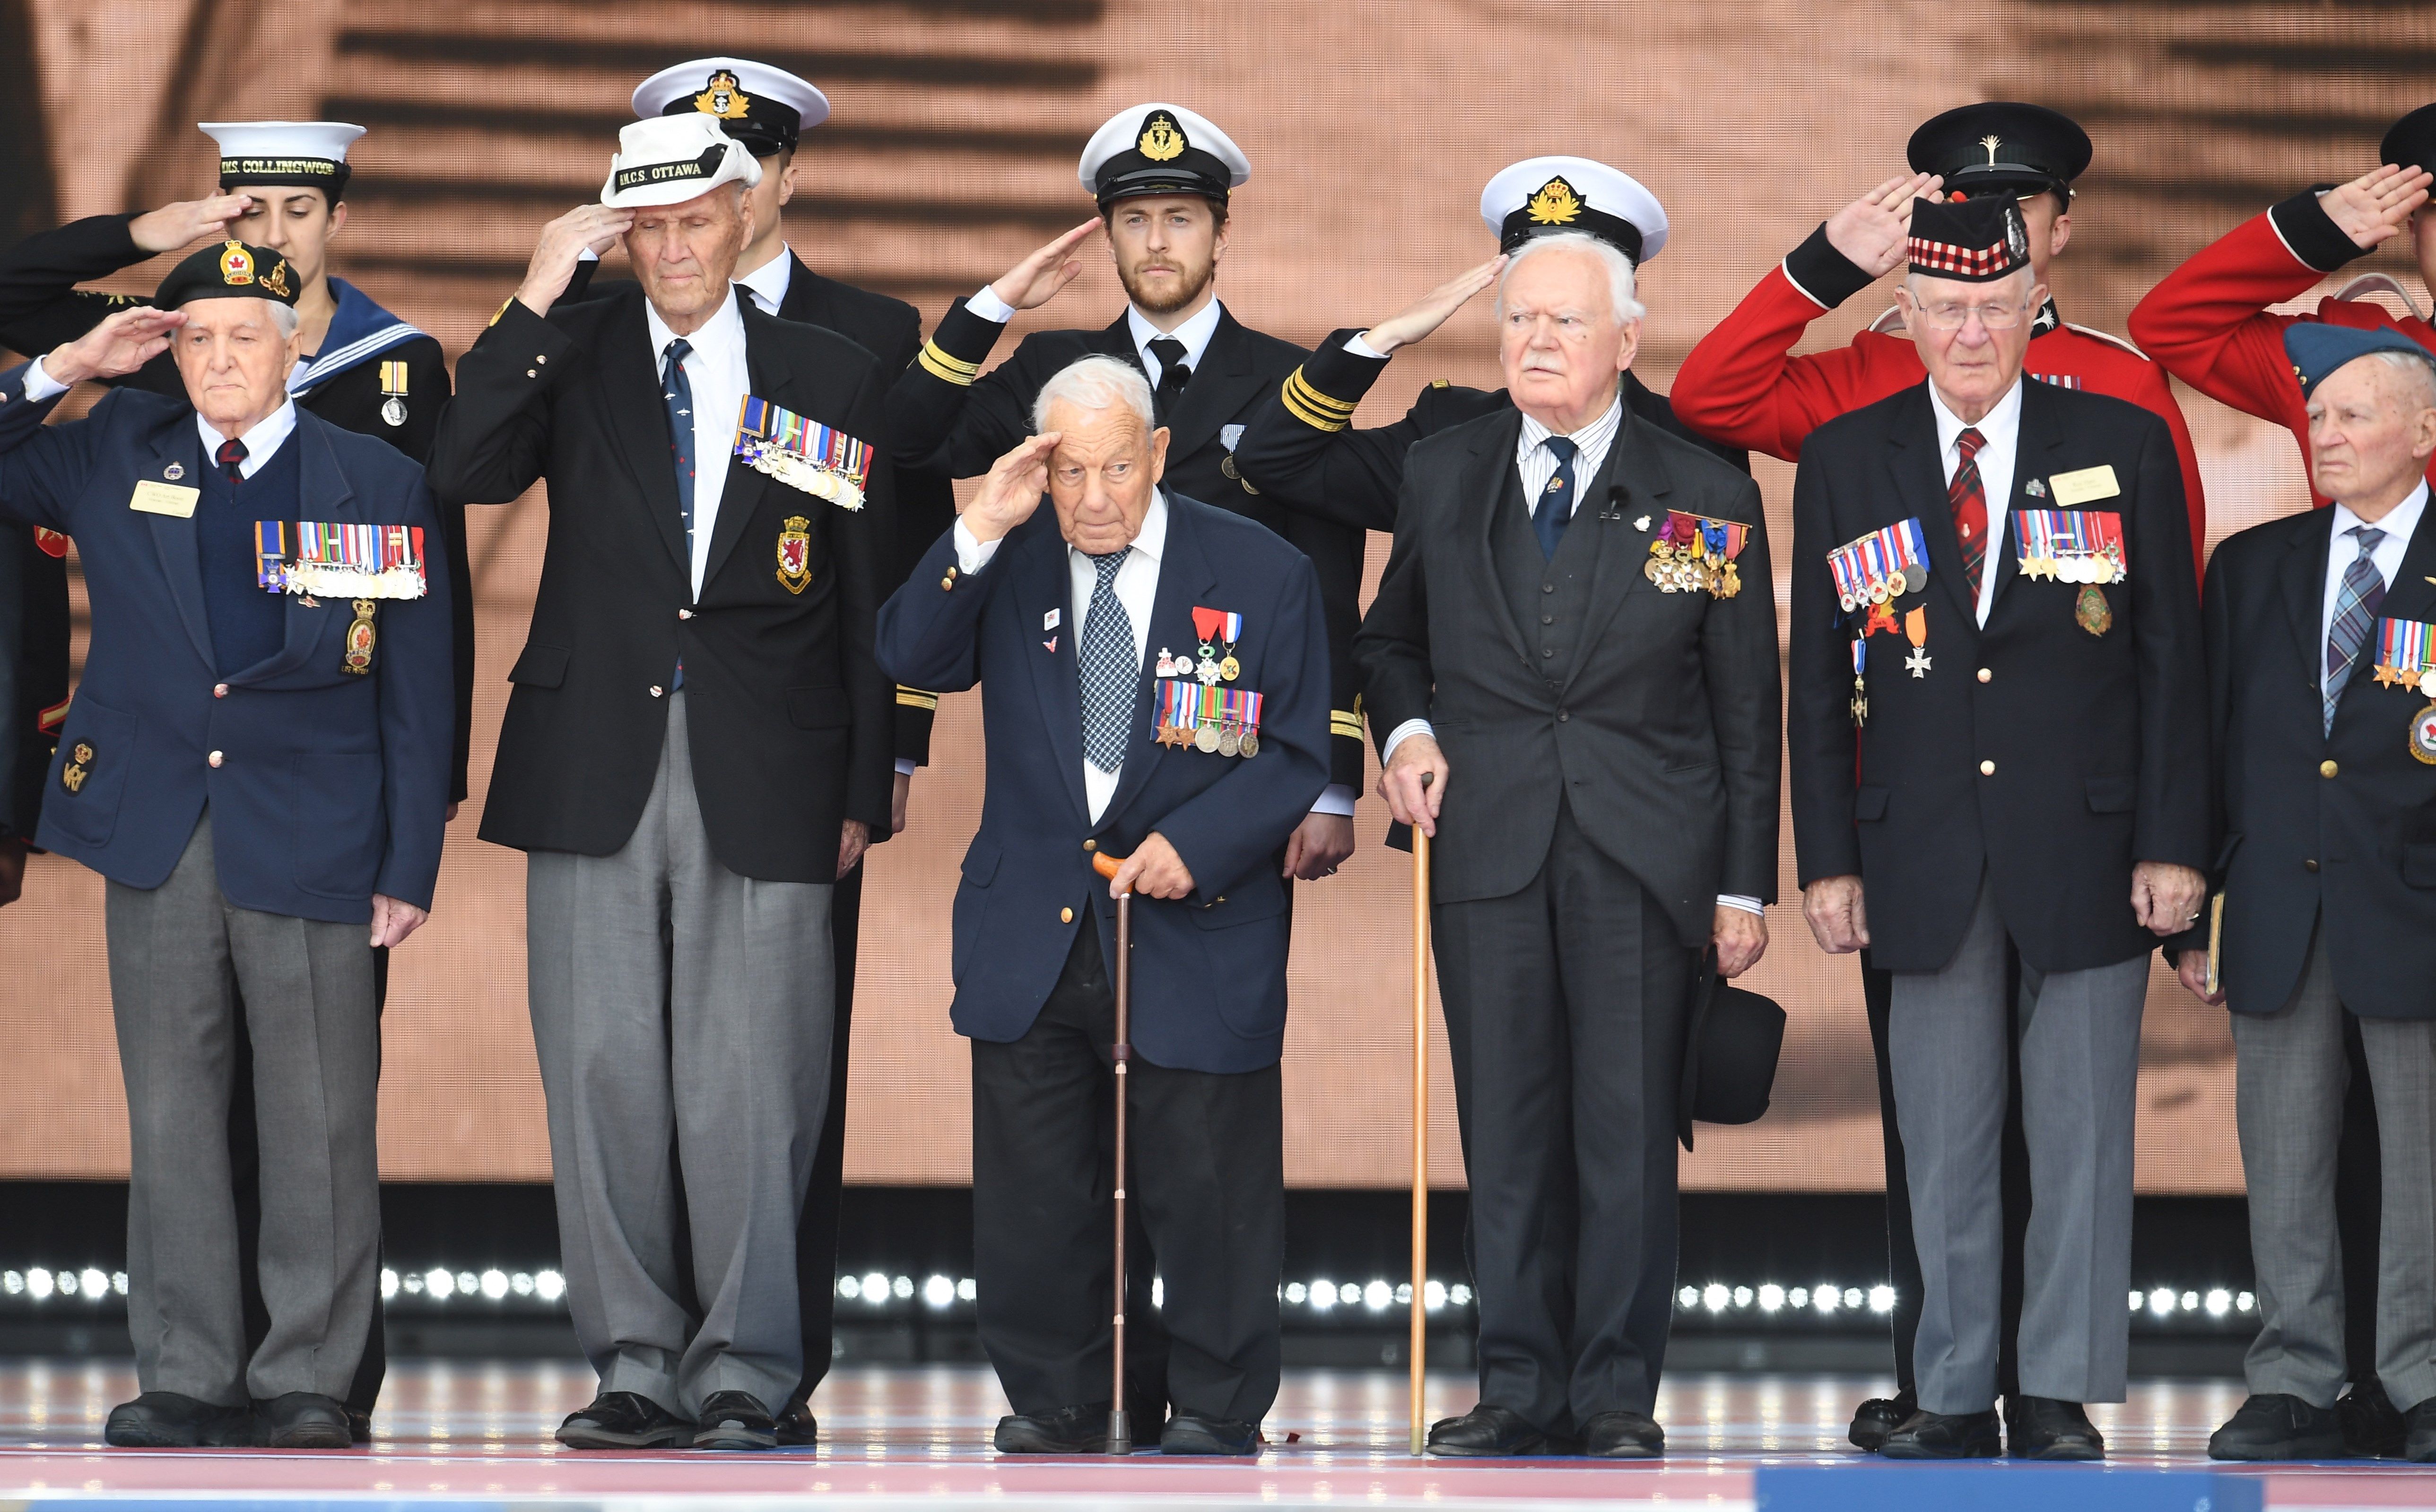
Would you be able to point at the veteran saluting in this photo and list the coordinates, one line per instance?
(1993, 610)
(697, 748)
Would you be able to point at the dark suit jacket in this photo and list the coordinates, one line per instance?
(891, 330)
(2100, 742)
(1209, 969)
(33, 670)
(962, 426)
(331, 785)
(2353, 853)
(1663, 739)
(1353, 476)
(790, 720)
(41, 307)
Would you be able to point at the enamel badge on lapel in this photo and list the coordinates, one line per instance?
(360, 637)
(174, 471)
(795, 553)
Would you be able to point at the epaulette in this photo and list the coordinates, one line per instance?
(2109, 339)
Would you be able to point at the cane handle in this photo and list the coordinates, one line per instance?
(1105, 865)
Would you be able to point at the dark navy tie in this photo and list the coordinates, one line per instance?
(1173, 377)
(1555, 510)
(678, 390)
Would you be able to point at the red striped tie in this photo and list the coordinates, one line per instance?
(1968, 497)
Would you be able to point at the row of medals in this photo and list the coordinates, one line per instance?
(1894, 585)
(1225, 739)
(1692, 569)
(2092, 569)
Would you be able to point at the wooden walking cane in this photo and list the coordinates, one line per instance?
(1420, 1122)
(1121, 1437)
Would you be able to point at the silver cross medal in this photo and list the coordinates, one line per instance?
(1917, 662)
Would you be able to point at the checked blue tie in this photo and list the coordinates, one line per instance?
(2355, 601)
(1106, 668)
(1554, 509)
(678, 390)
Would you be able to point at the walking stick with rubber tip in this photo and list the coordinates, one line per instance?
(1420, 1121)
(1121, 1437)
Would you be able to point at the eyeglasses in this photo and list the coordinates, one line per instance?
(1954, 316)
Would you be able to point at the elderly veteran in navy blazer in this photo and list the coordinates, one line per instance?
(2321, 670)
(1155, 685)
(258, 761)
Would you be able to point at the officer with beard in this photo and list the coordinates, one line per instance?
(1162, 175)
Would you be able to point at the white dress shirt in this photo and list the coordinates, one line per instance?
(768, 284)
(2343, 550)
(261, 443)
(1536, 464)
(714, 369)
(1136, 589)
(2000, 432)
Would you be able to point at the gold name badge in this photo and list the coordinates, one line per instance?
(164, 498)
(2086, 486)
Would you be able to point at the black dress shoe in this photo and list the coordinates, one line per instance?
(2371, 1423)
(361, 1424)
(1193, 1433)
(2419, 1432)
(1944, 1435)
(624, 1420)
(1082, 1429)
(1880, 1415)
(1623, 1435)
(2044, 1428)
(164, 1419)
(1485, 1432)
(735, 1419)
(2275, 1426)
(797, 1427)
(303, 1419)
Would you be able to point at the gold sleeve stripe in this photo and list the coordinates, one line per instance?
(946, 369)
(914, 697)
(1341, 722)
(1312, 407)
(494, 314)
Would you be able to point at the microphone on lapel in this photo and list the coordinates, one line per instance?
(1613, 508)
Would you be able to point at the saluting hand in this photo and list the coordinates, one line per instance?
(2377, 203)
(1036, 281)
(1874, 230)
(1434, 309)
(114, 348)
(1011, 489)
(563, 241)
(173, 226)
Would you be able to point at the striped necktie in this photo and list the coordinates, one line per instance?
(2355, 601)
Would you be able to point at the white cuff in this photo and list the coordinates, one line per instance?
(587, 255)
(1336, 798)
(1401, 734)
(1362, 349)
(989, 306)
(907, 765)
(972, 554)
(1736, 900)
(40, 385)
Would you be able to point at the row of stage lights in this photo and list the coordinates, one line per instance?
(939, 1293)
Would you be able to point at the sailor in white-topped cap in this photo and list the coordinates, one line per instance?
(1302, 448)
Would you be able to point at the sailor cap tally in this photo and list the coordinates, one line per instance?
(1540, 197)
(312, 154)
(671, 159)
(1161, 149)
(762, 107)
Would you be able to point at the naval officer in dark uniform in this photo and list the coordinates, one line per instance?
(1300, 447)
(1163, 176)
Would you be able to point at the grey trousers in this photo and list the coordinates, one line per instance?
(2289, 1082)
(2080, 1061)
(676, 1004)
(179, 954)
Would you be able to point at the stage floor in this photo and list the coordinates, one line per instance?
(474, 1434)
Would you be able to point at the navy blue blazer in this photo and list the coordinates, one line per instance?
(330, 786)
(1209, 969)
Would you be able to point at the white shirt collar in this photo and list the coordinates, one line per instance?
(2004, 419)
(722, 334)
(1151, 541)
(261, 443)
(1592, 436)
(2398, 524)
(1194, 332)
(771, 281)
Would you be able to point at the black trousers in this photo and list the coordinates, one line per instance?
(816, 1229)
(1565, 1007)
(2358, 1204)
(1205, 1171)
